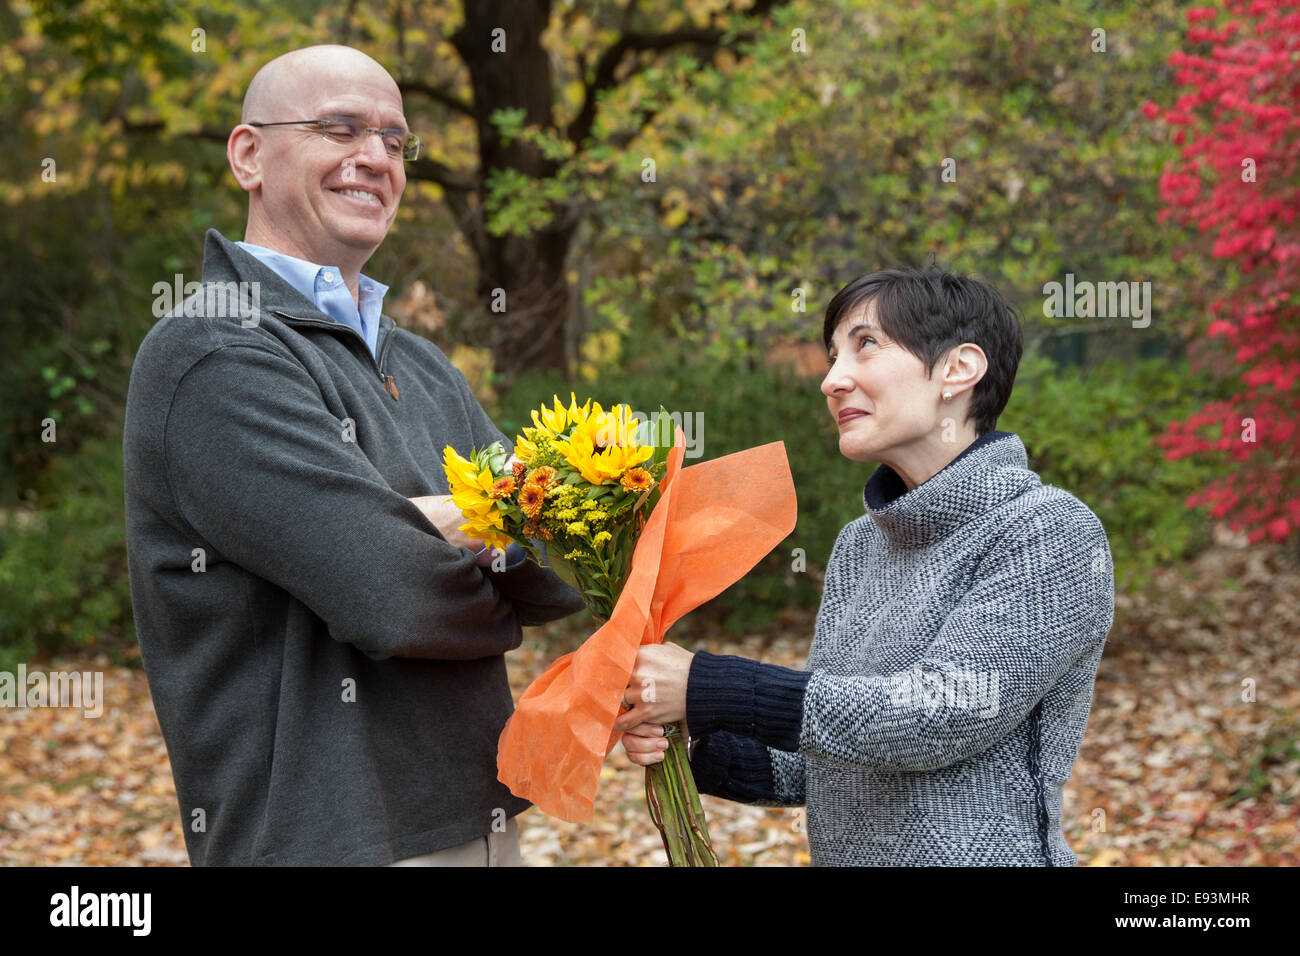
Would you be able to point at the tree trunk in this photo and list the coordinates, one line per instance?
(521, 282)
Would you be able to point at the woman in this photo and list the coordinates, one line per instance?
(964, 615)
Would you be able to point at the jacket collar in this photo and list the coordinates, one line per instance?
(992, 469)
(223, 261)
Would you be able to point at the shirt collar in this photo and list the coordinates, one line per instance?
(305, 276)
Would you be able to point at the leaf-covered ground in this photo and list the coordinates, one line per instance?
(1178, 767)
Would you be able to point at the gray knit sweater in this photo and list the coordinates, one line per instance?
(949, 681)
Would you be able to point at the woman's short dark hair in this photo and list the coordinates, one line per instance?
(931, 310)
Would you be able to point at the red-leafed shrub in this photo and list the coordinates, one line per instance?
(1238, 180)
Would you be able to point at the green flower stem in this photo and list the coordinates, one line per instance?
(675, 806)
(670, 791)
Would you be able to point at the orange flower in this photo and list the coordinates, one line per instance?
(519, 469)
(531, 498)
(537, 531)
(542, 476)
(637, 479)
(503, 488)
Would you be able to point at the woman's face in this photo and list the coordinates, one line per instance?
(878, 392)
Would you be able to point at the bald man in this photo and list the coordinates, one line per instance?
(324, 647)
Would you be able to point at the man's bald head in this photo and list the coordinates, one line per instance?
(310, 195)
(290, 80)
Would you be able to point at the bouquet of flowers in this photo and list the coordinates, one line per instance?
(579, 486)
(602, 498)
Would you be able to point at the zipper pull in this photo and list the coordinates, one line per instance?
(391, 386)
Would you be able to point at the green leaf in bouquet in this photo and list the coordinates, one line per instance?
(496, 458)
(618, 509)
(665, 435)
(566, 571)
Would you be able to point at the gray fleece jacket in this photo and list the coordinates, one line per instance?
(328, 672)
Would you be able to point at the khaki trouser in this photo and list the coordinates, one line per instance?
(495, 849)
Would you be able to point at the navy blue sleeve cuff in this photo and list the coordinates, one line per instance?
(741, 696)
(734, 768)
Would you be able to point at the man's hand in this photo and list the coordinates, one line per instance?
(447, 518)
(656, 691)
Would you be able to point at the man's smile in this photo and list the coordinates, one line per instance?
(360, 194)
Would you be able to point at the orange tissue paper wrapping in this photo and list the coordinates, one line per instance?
(713, 523)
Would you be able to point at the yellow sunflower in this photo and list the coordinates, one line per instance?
(472, 492)
(603, 446)
(465, 477)
(525, 448)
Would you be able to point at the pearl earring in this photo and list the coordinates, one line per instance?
(947, 396)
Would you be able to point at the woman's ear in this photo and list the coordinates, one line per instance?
(967, 364)
(244, 153)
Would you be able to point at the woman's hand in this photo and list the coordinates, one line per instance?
(645, 744)
(444, 515)
(656, 691)
(447, 518)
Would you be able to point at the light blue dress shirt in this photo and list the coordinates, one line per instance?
(324, 287)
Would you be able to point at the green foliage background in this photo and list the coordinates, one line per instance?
(778, 177)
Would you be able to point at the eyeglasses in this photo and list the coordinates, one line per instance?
(345, 131)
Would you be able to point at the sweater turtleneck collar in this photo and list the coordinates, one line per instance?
(992, 469)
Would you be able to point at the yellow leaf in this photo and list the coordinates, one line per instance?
(1108, 857)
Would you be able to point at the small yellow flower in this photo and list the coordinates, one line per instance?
(601, 537)
(578, 529)
(565, 493)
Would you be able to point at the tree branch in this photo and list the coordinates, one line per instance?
(607, 65)
(624, 138)
(157, 126)
(435, 172)
(438, 94)
(458, 190)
